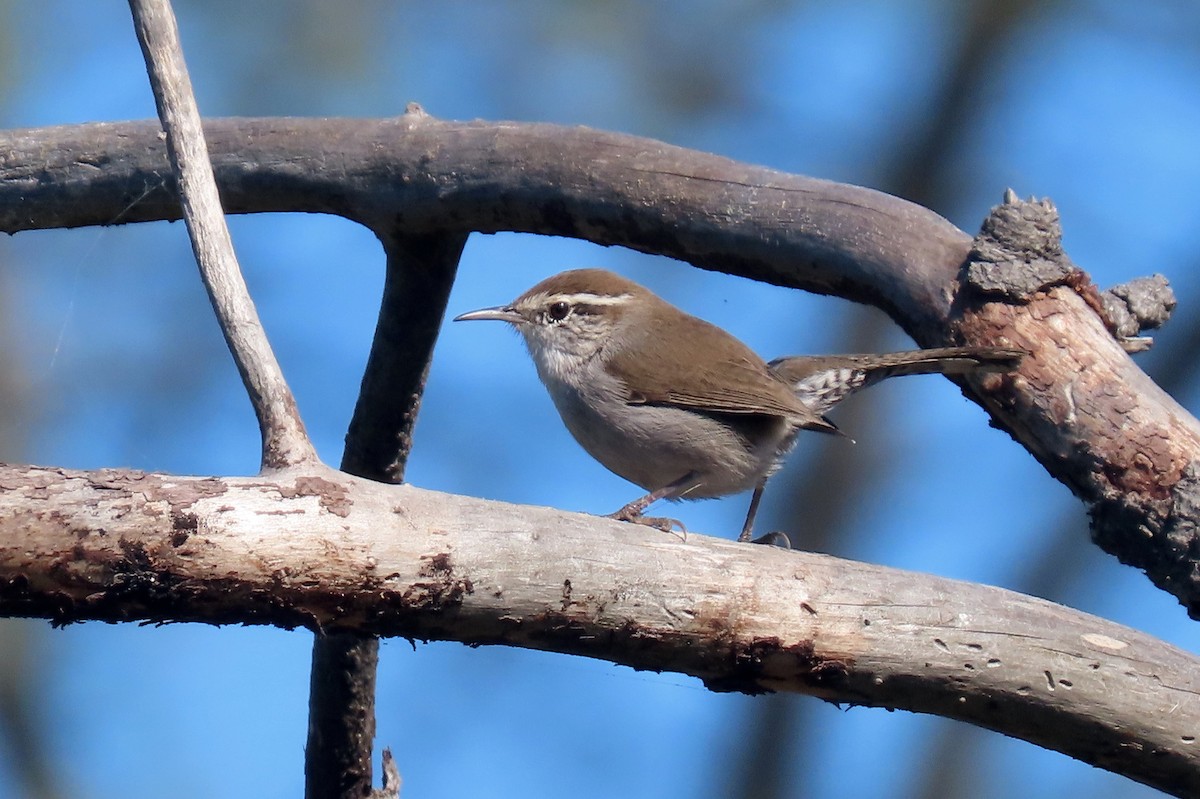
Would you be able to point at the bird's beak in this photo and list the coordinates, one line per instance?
(501, 313)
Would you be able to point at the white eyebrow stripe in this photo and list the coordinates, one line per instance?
(587, 298)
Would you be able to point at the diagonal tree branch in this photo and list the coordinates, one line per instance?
(341, 727)
(285, 442)
(331, 552)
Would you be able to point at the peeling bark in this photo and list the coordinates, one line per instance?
(338, 554)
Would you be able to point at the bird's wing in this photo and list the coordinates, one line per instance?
(735, 381)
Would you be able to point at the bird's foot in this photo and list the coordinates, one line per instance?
(774, 539)
(634, 516)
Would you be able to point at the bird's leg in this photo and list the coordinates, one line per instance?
(634, 510)
(773, 538)
(755, 498)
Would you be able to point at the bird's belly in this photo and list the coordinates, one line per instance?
(654, 446)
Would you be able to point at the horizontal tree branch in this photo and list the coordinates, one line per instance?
(324, 550)
(423, 175)
(1079, 405)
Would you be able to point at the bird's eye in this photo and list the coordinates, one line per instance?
(558, 310)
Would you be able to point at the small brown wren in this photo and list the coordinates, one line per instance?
(677, 405)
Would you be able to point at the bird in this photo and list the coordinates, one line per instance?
(679, 406)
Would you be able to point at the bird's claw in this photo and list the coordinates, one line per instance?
(774, 539)
(657, 522)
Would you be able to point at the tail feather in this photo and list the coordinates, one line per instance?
(823, 381)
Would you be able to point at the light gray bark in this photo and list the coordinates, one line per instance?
(285, 442)
(332, 552)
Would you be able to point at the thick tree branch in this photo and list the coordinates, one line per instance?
(429, 175)
(284, 440)
(324, 550)
(1080, 404)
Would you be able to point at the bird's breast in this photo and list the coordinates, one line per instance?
(654, 445)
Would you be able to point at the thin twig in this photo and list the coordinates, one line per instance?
(285, 442)
(391, 778)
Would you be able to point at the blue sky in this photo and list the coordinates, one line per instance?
(121, 363)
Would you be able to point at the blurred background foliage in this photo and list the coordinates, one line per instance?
(110, 357)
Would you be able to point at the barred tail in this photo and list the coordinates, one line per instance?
(823, 381)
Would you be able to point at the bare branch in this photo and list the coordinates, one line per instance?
(328, 551)
(1080, 405)
(420, 273)
(341, 727)
(284, 440)
(391, 778)
(341, 716)
(435, 175)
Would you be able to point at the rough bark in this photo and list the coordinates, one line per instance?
(337, 554)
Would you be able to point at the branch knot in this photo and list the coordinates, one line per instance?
(1018, 253)
(1144, 303)
(1018, 250)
